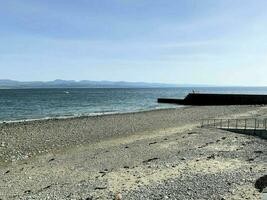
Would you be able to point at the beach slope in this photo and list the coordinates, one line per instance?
(161, 154)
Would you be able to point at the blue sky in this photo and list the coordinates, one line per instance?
(222, 42)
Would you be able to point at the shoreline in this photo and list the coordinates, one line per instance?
(83, 116)
(94, 114)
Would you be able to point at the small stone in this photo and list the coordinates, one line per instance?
(52, 159)
(259, 152)
(211, 157)
(100, 188)
(118, 196)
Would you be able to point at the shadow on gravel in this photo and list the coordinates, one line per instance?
(257, 133)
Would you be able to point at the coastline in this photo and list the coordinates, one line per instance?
(87, 115)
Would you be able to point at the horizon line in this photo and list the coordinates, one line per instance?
(132, 82)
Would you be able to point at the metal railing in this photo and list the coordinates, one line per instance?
(247, 123)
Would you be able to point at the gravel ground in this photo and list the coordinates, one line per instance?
(226, 173)
(174, 161)
(27, 139)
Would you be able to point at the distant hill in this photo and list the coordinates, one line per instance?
(11, 84)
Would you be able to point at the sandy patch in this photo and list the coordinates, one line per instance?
(132, 178)
(244, 192)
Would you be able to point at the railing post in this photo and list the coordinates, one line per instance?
(245, 124)
(255, 125)
(214, 123)
(236, 123)
(265, 125)
(221, 123)
(228, 123)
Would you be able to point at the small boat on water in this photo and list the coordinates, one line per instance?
(203, 99)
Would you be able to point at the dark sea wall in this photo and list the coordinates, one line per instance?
(218, 99)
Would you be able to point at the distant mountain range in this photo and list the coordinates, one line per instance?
(11, 84)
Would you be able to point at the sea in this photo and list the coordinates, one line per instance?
(32, 104)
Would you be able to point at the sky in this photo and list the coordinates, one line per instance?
(222, 42)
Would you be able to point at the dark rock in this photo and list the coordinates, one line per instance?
(258, 152)
(103, 173)
(251, 159)
(47, 187)
(52, 159)
(100, 188)
(152, 143)
(261, 183)
(150, 160)
(192, 133)
(211, 157)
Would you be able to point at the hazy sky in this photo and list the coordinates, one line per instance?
(221, 42)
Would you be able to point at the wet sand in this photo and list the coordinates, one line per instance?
(160, 154)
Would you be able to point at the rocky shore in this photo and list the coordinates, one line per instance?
(159, 154)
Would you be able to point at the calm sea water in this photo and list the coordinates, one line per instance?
(25, 104)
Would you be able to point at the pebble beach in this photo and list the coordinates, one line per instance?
(160, 154)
